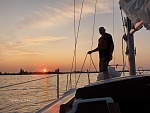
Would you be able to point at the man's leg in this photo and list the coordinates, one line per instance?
(106, 75)
(103, 65)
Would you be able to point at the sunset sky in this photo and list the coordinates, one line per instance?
(39, 34)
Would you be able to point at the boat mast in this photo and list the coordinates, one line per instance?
(131, 56)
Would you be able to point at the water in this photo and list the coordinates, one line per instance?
(30, 93)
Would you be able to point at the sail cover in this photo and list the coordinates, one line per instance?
(137, 10)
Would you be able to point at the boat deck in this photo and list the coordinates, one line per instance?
(131, 94)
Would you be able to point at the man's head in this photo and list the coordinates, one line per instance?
(102, 30)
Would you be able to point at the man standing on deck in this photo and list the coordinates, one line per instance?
(105, 49)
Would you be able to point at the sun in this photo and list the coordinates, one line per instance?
(44, 70)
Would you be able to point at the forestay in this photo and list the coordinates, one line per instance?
(137, 10)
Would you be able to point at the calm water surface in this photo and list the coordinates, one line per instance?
(30, 93)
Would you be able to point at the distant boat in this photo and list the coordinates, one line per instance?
(128, 94)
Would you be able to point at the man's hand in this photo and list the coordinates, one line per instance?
(89, 52)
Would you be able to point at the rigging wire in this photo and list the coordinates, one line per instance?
(81, 71)
(93, 63)
(91, 47)
(94, 23)
(83, 66)
(93, 31)
(76, 39)
(74, 56)
(75, 36)
(114, 27)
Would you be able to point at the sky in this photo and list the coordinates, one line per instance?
(39, 34)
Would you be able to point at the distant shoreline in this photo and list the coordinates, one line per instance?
(35, 73)
(57, 72)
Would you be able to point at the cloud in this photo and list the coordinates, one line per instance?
(61, 13)
(33, 41)
(23, 46)
(102, 6)
(22, 52)
(48, 17)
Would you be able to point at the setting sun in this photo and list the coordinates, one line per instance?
(44, 70)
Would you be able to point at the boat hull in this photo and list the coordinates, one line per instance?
(131, 93)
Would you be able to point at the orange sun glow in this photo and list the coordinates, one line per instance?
(44, 70)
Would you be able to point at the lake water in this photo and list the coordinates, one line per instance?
(30, 93)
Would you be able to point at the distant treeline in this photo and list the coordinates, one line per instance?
(57, 71)
(22, 72)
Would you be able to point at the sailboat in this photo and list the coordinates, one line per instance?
(128, 94)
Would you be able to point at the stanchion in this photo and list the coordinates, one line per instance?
(58, 83)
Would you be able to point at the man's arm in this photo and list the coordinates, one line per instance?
(94, 50)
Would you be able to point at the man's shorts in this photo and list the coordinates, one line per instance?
(103, 64)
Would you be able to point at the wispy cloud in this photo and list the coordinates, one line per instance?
(61, 13)
(102, 6)
(21, 47)
(47, 17)
(36, 41)
(22, 52)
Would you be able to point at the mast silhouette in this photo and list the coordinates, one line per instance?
(131, 56)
